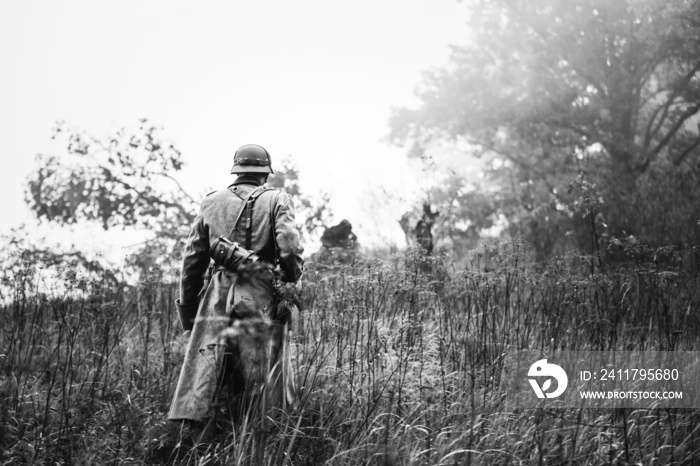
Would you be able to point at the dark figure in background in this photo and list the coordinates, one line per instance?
(338, 245)
(423, 230)
(424, 237)
(339, 236)
(247, 230)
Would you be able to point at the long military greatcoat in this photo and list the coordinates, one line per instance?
(238, 304)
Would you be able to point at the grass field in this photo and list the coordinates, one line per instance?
(396, 362)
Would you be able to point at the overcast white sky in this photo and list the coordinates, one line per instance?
(312, 79)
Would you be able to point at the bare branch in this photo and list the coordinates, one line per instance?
(674, 129)
(679, 86)
(679, 159)
(182, 190)
(652, 129)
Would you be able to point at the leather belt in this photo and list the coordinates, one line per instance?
(221, 268)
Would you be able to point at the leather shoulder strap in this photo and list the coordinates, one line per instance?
(243, 205)
(273, 204)
(249, 217)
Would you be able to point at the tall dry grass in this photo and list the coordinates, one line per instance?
(397, 363)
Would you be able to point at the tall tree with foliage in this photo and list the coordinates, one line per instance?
(586, 104)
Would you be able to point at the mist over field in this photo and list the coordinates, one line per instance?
(538, 191)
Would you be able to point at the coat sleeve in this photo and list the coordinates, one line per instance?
(287, 237)
(194, 263)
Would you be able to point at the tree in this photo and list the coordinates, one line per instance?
(126, 179)
(579, 100)
(123, 180)
(129, 179)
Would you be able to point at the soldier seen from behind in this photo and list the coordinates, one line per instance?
(238, 312)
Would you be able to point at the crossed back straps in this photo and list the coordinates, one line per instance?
(248, 203)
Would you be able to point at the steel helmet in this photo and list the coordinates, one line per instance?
(251, 158)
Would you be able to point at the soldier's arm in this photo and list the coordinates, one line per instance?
(287, 237)
(194, 263)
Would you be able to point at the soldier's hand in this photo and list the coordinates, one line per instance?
(291, 294)
(288, 291)
(279, 273)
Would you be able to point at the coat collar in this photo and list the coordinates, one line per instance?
(246, 179)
